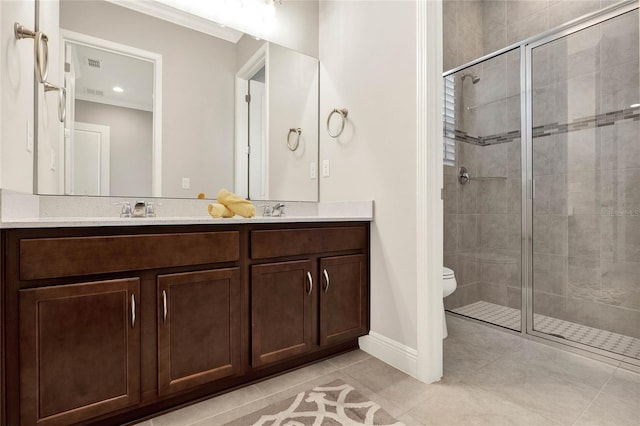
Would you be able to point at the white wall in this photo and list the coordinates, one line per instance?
(368, 65)
(293, 103)
(131, 137)
(297, 26)
(17, 76)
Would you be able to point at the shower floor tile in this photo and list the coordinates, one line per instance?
(510, 318)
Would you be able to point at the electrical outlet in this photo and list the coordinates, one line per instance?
(29, 136)
(313, 170)
(326, 168)
(186, 183)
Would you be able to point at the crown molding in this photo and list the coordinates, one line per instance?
(178, 17)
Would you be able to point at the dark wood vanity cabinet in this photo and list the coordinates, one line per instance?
(298, 306)
(281, 310)
(199, 333)
(109, 325)
(79, 351)
(344, 298)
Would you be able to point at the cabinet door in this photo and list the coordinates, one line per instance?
(198, 328)
(79, 351)
(281, 295)
(344, 298)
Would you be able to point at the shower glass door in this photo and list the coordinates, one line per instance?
(482, 189)
(584, 146)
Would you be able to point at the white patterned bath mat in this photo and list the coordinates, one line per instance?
(335, 403)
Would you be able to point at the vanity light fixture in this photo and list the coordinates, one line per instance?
(635, 106)
(256, 17)
(118, 89)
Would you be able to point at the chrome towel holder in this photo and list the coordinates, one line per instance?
(62, 99)
(343, 113)
(41, 54)
(40, 49)
(297, 132)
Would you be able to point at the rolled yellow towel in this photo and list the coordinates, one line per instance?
(218, 210)
(236, 204)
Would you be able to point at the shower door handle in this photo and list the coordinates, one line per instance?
(531, 189)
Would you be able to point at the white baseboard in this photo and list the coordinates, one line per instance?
(393, 353)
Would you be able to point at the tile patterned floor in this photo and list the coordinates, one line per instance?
(510, 318)
(490, 378)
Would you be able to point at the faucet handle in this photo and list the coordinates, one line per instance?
(150, 211)
(126, 209)
(278, 209)
(267, 210)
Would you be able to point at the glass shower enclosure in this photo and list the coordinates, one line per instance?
(542, 185)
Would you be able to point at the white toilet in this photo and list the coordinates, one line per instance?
(449, 285)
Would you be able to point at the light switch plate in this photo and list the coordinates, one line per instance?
(326, 168)
(186, 183)
(54, 161)
(29, 136)
(313, 170)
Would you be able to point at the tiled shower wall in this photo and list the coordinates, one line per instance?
(577, 277)
(587, 262)
(482, 225)
(474, 28)
(587, 204)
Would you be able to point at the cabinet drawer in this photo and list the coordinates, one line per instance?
(63, 257)
(293, 242)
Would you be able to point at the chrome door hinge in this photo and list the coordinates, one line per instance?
(247, 98)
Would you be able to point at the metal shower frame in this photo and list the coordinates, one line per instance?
(525, 48)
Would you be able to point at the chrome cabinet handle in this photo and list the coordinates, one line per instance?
(133, 310)
(310, 283)
(164, 306)
(326, 277)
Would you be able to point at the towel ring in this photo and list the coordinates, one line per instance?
(40, 49)
(62, 99)
(343, 112)
(294, 146)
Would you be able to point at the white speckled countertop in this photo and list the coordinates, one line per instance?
(19, 210)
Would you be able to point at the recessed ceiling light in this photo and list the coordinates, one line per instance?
(118, 89)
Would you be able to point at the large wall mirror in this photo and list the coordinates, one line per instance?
(159, 109)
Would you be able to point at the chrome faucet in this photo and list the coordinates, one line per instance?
(276, 211)
(139, 209)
